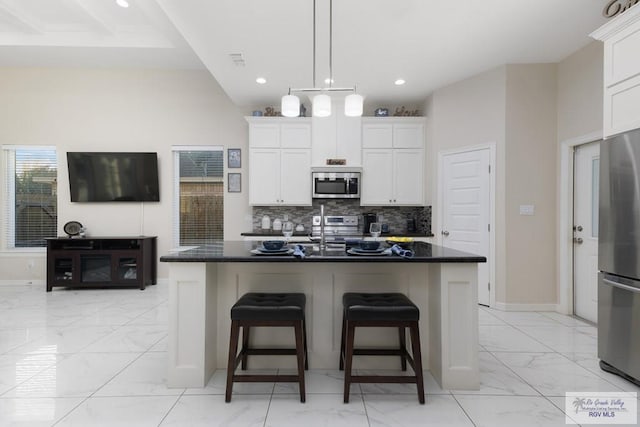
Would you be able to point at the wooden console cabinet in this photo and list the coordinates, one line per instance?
(101, 262)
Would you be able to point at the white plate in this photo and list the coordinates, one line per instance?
(272, 251)
(353, 251)
(283, 252)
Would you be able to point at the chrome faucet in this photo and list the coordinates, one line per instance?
(322, 245)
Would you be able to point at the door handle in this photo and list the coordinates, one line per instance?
(445, 233)
(578, 240)
(577, 228)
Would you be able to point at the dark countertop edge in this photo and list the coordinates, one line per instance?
(317, 259)
(80, 239)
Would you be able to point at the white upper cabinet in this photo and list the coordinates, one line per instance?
(393, 132)
(377, 135)
(279, 161)
(295, 135)
(377, 177)
(264, 135)
(393, 161)
(621, 37)
(336, 137)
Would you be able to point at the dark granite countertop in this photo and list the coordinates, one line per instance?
(240, 251)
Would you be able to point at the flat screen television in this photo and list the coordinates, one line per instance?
(113, 177)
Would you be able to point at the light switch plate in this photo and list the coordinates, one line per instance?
(527, 209)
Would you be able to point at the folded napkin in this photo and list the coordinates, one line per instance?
(404, 253)
(299, 251)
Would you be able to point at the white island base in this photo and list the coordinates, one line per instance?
(202, 293)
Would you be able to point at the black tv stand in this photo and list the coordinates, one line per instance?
(95, 262)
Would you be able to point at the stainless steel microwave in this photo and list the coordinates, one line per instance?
(336, 185)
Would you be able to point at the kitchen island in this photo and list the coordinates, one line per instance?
(206, 281)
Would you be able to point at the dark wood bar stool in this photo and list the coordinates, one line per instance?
(381, 310)
(267, 309)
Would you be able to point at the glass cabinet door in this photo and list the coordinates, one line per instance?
(127, 268)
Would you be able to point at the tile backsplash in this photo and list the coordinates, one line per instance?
(395, 216)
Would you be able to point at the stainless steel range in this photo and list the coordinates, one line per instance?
(337, 227)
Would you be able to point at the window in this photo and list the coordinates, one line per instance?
(31, 187)
(198, 195)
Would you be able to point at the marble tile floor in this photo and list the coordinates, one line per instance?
(98, 358)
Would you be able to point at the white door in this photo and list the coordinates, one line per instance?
(585, 234)
(466, 188)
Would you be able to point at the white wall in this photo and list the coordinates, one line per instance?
(530, 174)
(467, 113)
(513, 106)
(580, 92)
(119, 110)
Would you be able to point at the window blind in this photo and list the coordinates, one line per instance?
(31, 188)
(198, 195)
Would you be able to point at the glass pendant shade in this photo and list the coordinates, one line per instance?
(290, 106)
(353, 105)
(321, 106)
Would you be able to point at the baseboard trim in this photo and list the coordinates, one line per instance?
(23, 282)
(525, 307)
(43, 283)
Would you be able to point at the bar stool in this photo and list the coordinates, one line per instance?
(381, 310)
(267, 309)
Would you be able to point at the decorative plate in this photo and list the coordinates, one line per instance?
(72, 228)
(353, 251)
(285, 252)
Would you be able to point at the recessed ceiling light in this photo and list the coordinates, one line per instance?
(399, 82)
(261, 80)
(122, 3)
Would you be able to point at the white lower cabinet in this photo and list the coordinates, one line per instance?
(392, 177)
(280, 177)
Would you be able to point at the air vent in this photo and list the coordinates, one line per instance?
(238, 59)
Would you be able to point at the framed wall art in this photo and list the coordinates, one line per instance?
(234, 182)
(234, 158)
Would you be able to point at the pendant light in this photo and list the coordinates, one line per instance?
(321, 105)
(290, 106)
(321, 102)
(353, 105)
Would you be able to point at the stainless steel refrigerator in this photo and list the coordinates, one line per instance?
(619, 256)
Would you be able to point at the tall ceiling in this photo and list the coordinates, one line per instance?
(428, 43)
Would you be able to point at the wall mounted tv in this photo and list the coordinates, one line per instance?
(113, 177)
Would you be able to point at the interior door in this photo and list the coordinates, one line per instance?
(466, 187)
(585, 230)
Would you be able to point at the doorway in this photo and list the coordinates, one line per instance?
(586, 160)
(466, 200)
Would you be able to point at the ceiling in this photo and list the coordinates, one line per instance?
(428, 43)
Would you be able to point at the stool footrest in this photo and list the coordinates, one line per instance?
(380, 352)
(266, 378)
(390, 379)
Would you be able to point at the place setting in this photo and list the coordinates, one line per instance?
(273, 247)
(375, 248)
(281, 247)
